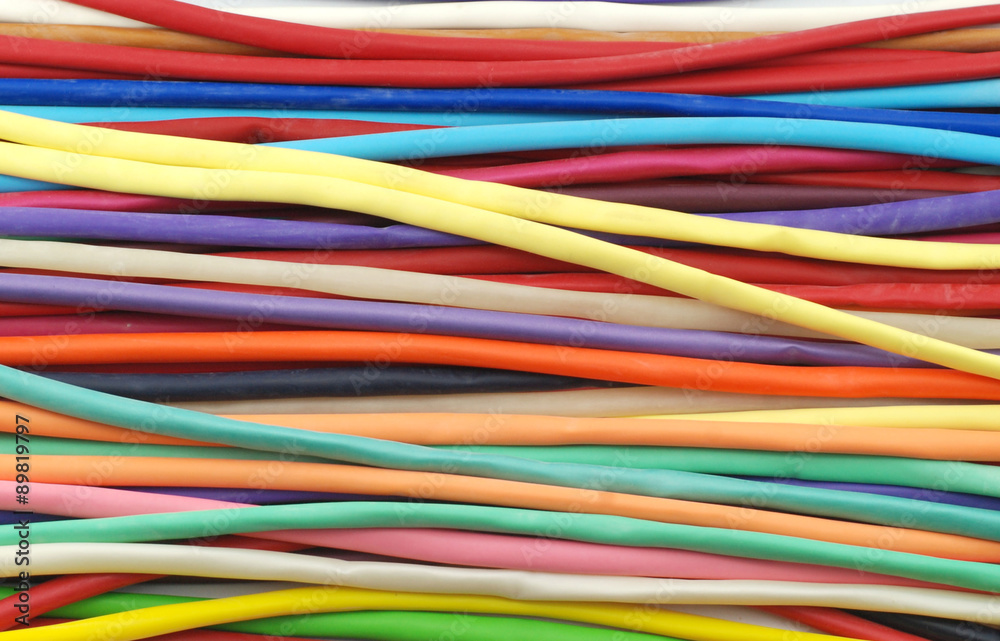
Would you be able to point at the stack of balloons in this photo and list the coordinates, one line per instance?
(500, 320)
